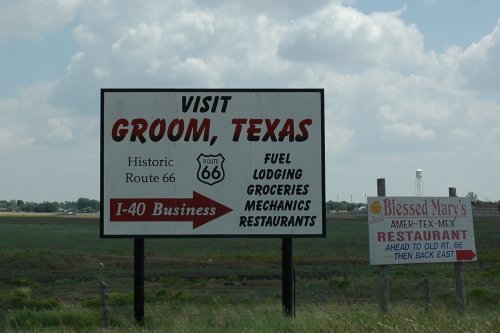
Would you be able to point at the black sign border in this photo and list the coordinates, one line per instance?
(213, 90)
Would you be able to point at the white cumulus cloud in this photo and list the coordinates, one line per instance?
(32, 18)
(387, 99)
(343, 36)
(408, 131)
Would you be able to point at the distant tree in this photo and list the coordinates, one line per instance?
(87, 205)
(68, 205)
(26, 207)
(46, 207)
(342, 206)
(473, 198)
(330, 205)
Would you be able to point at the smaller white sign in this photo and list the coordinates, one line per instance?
(409, 230)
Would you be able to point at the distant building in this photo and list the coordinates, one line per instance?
(486, 208)
(419, 184)
(362, 210)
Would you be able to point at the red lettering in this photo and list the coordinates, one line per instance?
(275, 129)
(445, 235)
(175, 130)
(195, 132)
(271, 126)
(464, 232)
(387, 207)
(253, 129)
(161, 124)
(119, 130)
(139, 126)
(287, 130)
(304, 134)
(239, 122)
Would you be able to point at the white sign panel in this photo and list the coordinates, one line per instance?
(406, 230)
(206, 162)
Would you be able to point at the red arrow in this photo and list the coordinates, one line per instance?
(199, 210)
(465, 254)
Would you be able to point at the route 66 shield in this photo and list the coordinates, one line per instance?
(210, 169)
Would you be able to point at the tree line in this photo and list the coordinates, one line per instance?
(82, 205)
(85, 205)
(344, 206)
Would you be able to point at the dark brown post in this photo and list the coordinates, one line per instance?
(139, 280)
(427, 299)
(383, 283)
(459, 272)
(105, 305)
(287, 276)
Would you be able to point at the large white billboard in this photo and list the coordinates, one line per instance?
(212, 162)
(408, 230)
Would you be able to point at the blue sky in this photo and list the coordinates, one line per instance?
(443, 23)
(36, 59)
(408, 84)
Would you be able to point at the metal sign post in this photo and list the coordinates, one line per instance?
(287, 276)
(139, 280)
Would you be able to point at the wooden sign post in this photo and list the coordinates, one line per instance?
(384, 283)
(459, 272)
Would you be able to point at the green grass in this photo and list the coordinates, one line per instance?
(265, 317)
(50, 273)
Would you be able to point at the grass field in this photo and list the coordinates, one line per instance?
(49, 274)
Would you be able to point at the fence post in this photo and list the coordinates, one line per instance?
(105, 305)
(459, 272)
(427, 299)
(383, 283)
